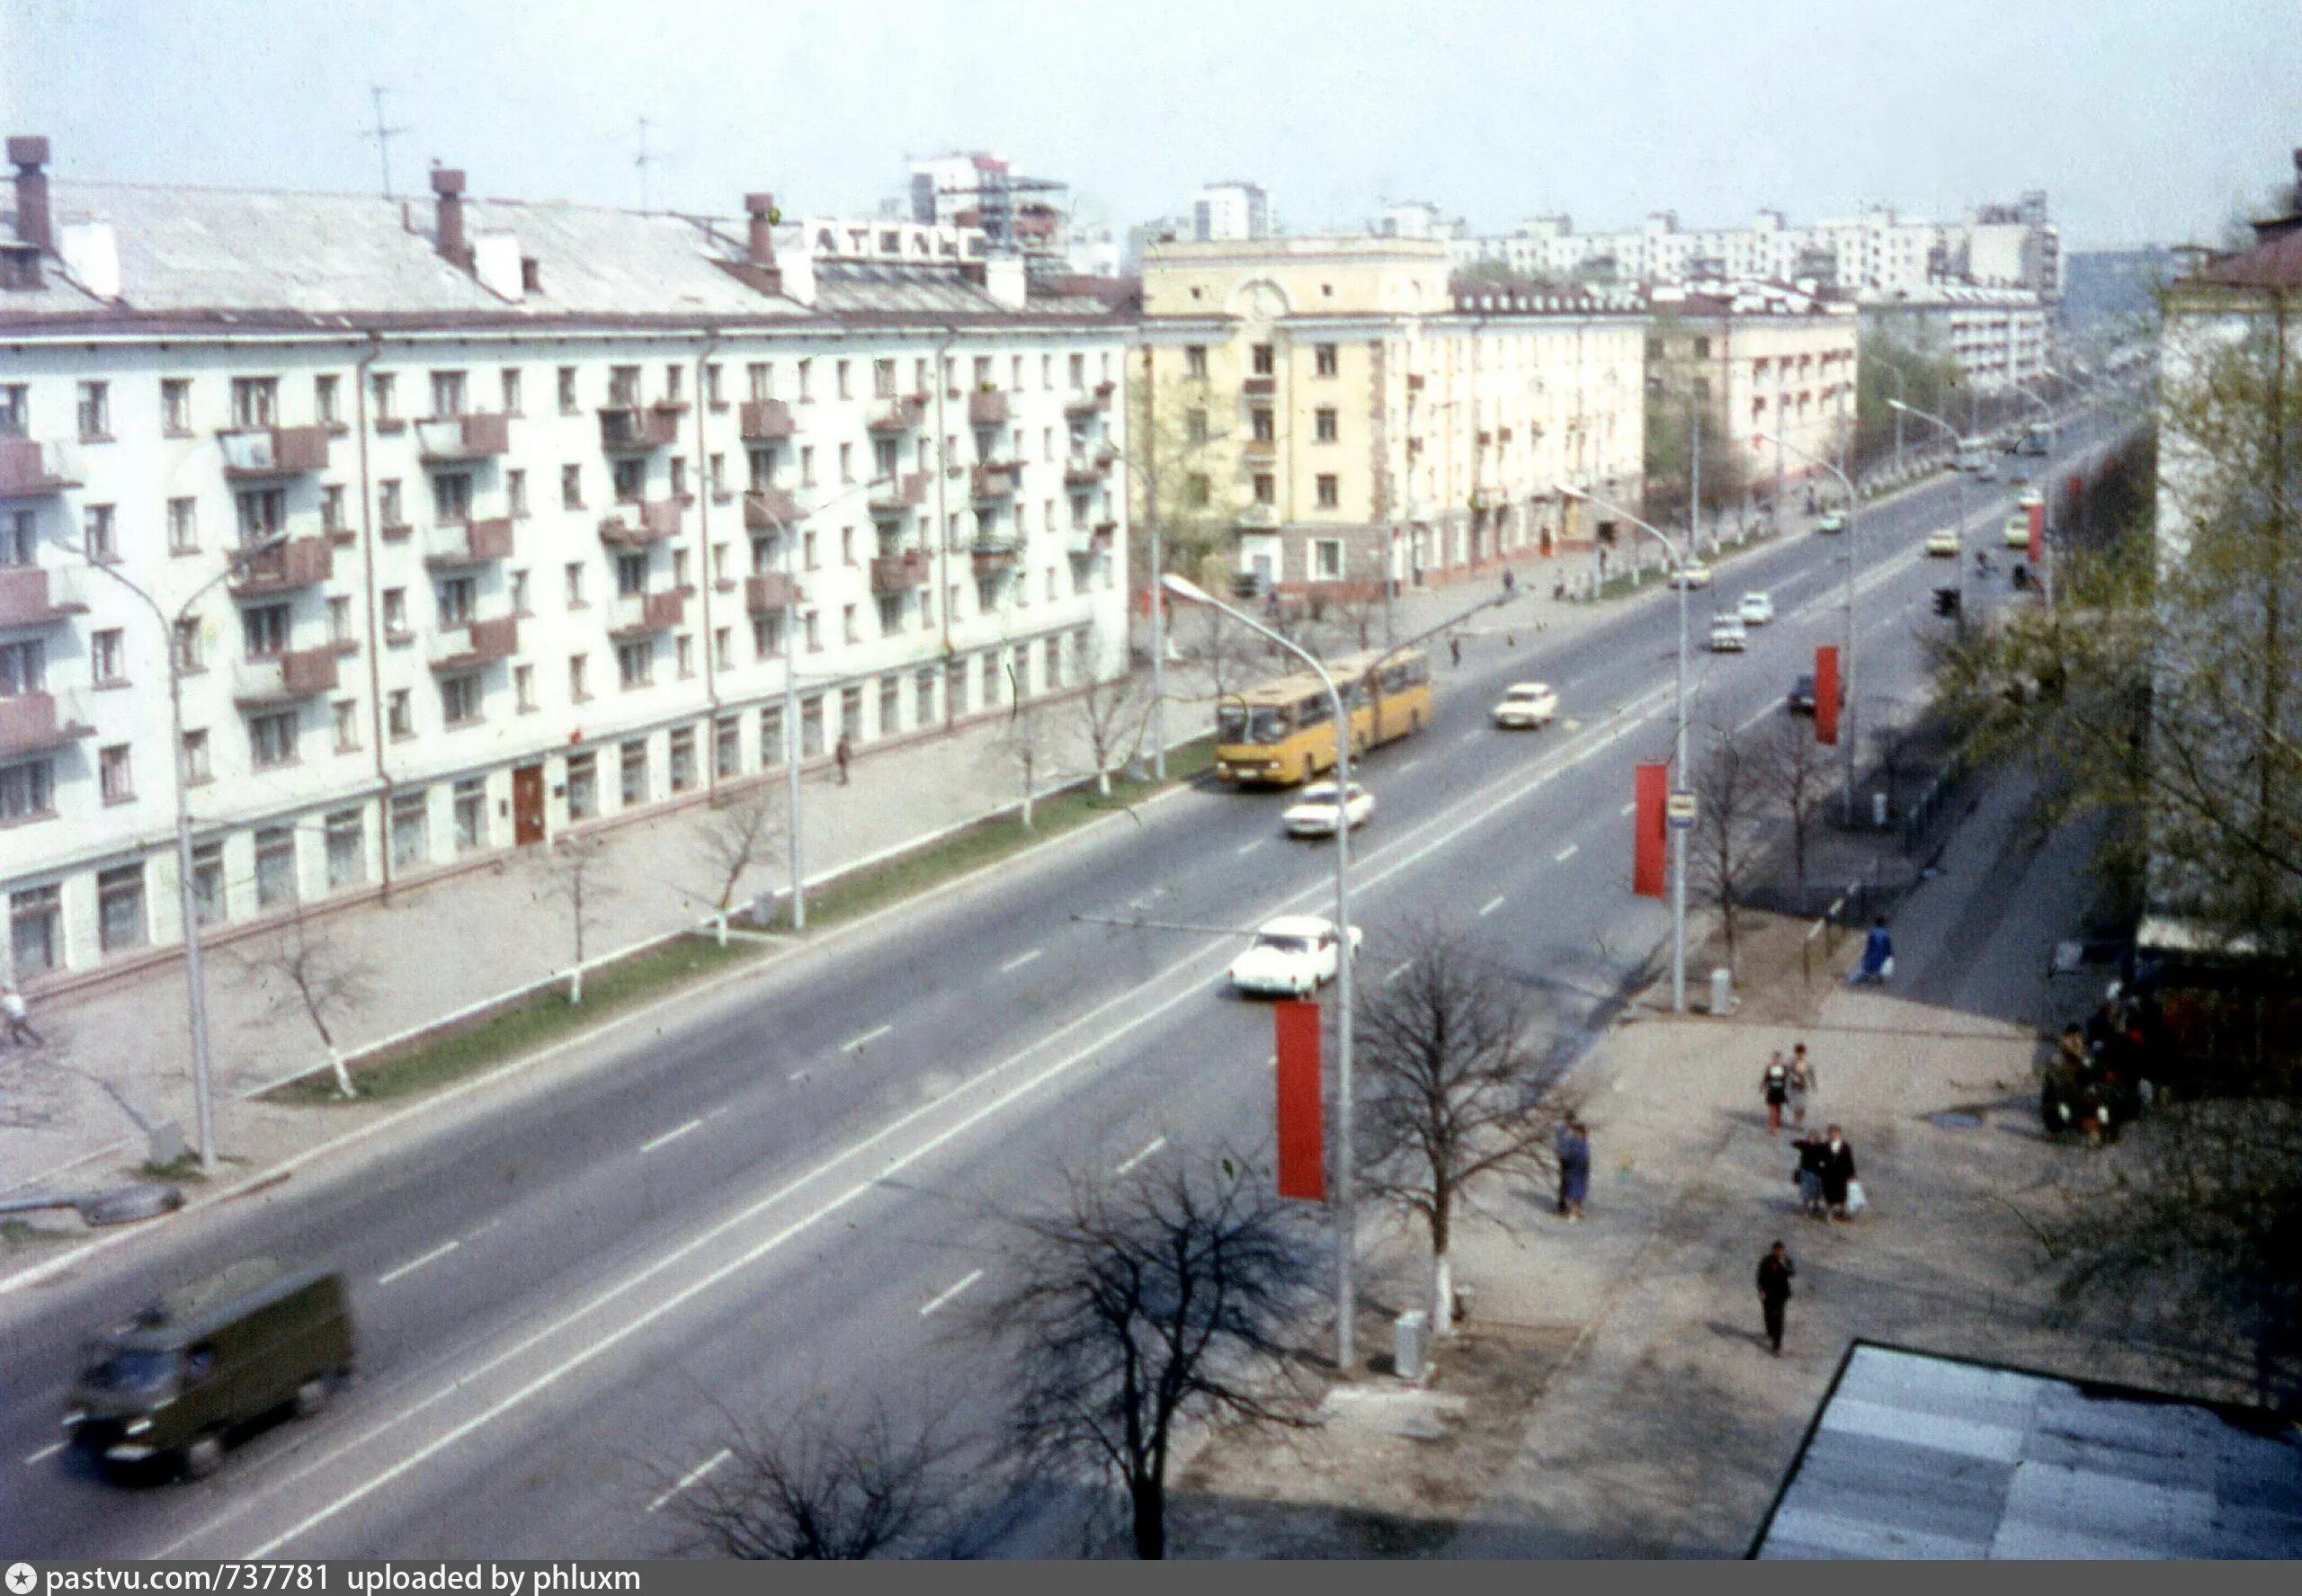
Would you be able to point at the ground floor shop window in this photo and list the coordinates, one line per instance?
(811, 727)
(633, 760)
(36, 930)
(582, 786)
(347, 849)
(682, 759)
(119, 908)
(727, 749)
(275, 866)
(770, 735)
(411, 829)
(471, 814)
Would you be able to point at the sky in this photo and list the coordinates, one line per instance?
(2143, 121)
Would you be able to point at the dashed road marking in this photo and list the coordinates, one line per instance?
(857, 1043)
(1631, 807)
(693, 1476)
(1491, 905)
(1396, 974)
(1019, 962)
(1566, 853)
(950, 1292)
(672, 1135)
(45, 1453)
(413, 1264)
(1247, 848)
(1472, 736)
(1156, 1143)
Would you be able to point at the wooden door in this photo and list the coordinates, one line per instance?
(527, 805)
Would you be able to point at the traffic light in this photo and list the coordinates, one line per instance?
(1946, 601)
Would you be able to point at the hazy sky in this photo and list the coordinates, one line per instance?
(2143, 122)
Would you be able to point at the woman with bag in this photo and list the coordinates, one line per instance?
(1878, 961)
(1802, 1082)
(1837, 1172)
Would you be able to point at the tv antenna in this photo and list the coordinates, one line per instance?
(382, 135)
(644, 161)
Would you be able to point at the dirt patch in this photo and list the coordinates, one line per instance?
(1390, 1470)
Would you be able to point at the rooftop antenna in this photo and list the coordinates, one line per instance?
(383, 135)
(643, 161)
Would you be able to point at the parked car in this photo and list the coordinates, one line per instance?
(1526, 705)
(1987, 471)
(1728, 636)
(1833, 521)
(1693, 573)
(1291, 956)
(1942, 545)
(1318, 811)
(1801, 700)
(2017, 533)
(1757, 609)
(196, 1370)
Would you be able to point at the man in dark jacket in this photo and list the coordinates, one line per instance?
(1836, 1167)
(1775, 1271)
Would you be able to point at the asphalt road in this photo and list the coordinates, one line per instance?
(795, 1186)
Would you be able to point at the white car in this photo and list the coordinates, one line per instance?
(1756, 610)
(1526, 705)
(1314, 814)
(1693, 573)
(1291, 956)
(1942, 545)
(1728, 636)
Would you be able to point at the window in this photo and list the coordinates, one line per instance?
(571, 487)
(767, 637)
(682, 759)
(19, 538)
(1323, 356)
(922, 707)
(811, 727)
(1195, 360)
(387, 505)
(711, 392)
(511, 390)
(628, 480)
(450, 497)
(1078, 373)
(97, 528)
(683, 654)
(459, 699)
(107, 657)
(1054, 661)
(207, 901)
(470, 810)
(119, 908)
(990, 680)
(728, 747)
(327, 402)
(1702, 349)
(400, 713)
(631, 759)
(723, 649)
(455, 595)
(1263, 360)
(1323, 419)
(347, 849)
(770, 736)
(411, 825)
(578, 669)
(673, 377)
(112, 774)
(95, 412)
(1195, 425)
(568, 401)
(332, 507)
(396, 614)
(807, 465)
(347, 725)
(195, 758)
(1266, 426)
(255, 401)
(263, 630)
(271, 739)
(263, 513)
(24, 668)
(883, 379)
(634, 664)
(890, 614)
(850, 713)
(849, 631)
(679, 476)
(35, 929)
(956, 687)
(890, 706)
(27, 791)
(623, 387)
(1326, 559)
(1198, 490)
(806, 382)
(631, 574)
(516, 491)
(1266, 488)
(847, 462)
(275, 866)
(1330, 489)
(175, 406)
(582, 786)
(339, 617)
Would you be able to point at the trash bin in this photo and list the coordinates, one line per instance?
(1722, 991)
(1410, 1341)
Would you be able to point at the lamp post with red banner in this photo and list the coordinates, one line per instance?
(1679, 557)
(1846, 665)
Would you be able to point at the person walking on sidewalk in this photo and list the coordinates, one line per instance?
(1574, 1168)
(845, 752)
(1774, 1085)
(1811, 1150)
(1878, 961)
(1775, 1272)
(1455, 651)
(1836, 1167)
(1802, 1082)
(18, 1018)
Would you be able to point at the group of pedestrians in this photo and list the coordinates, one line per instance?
(2101, 1076)
(1828, 1186)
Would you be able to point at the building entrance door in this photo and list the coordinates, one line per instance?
(527, 805)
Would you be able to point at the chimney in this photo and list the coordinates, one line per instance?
(759, 250)
(28, 155)
(448, 182)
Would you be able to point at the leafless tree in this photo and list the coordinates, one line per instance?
(1113, 715)
(1024, 741)
(571, 876)
(302, 972)
(1452, 1097)
(1730, 797)
(1166, 1297)
(821, 1480)
(738, 830)
(1794, 774)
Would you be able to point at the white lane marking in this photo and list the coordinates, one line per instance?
(473, 1236)
(1491, 905)
(45, 1453)
(1757, 715)
(1156, 1143)
(1631, 807)
(1246, 848)
(693, 1476)
(1566, 853)
(857, 1043)
(950, 1292)
(1403, 768)
(413, 1264)
(1472, 736)
(1017, 963)
(672, 1135)
(1396, 974)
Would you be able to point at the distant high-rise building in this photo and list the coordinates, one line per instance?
(1230, 210)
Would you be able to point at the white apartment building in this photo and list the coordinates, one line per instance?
(540, 495)
(1230, 210)
(1999, 337)
(1760, 359)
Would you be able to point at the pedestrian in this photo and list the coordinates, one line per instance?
(1878, 961)
(1802, 1082)
(1574, 1168)
(1775, 1272)
(840, 755)
(1510, 581)
(1836, 1165)
(1809, 1173)
(18, 1018)
(1774, 1086)
(1455, 651)
(1559, 588)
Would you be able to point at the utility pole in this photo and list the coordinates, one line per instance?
(643, 161)
(383, 135)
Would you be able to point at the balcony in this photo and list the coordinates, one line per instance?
(899, 572)
(1259, 517)
(1259, 387)
(1085, 471)
(449, 439)
(637, 613)
(1087, 540)
(633, 429)
(771, 509)
(767, 591)
(284, 678)
(283, 567)
(635, 526)
(991, 482)
(468, 543)
(273, 451)
(902, 416)
(994, 557)
(1094, 400)
(987, 408)
(765, 421)
(894, 496)
(37, 722)
(1489, 498)
(1260, 448)
(476, 643)
(31, 596)
(30, 469)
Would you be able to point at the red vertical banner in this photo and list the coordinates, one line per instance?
(1302, 1150)
(2037, 513)
(1651, 788)
(1826, 695)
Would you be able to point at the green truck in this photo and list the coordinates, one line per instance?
(191, 1374)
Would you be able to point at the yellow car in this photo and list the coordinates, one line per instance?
(2018, 531)
(1942, 545)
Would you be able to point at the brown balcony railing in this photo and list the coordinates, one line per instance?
(649, 611)
(1258, 385)
(993, 557)
(638, 525)
(993, 481)
(468, 543)
(987, 408)
(299, 562)
(450, 438)
(897, 495)
(1094, 399)
(29, 597)
(632, 429)
(767, 591)
(476, 643)
(765, 421)
(899, 572)
(771, 509)
(903, 416)
(34, 723)
(285, 678)
(274, 451)
(30, 468)
(1085, 471)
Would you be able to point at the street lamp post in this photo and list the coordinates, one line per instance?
(1679, 558)
(1346, 1218)
(1958, 470)
(1158, 602)
(1847, 663)
(187, 909)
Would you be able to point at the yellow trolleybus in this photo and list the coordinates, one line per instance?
(1281, 733)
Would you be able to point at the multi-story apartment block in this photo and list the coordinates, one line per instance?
(1362, 422)
(462, 523)
(2000, 337)
(1230, 210)
(1759, 359)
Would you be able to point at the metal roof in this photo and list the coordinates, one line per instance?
(1917, 1456)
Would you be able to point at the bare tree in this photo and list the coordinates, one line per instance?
(1025, 742)
(1113, 715)
(1730, 797)
(570, 875)
(1794, 774)
(1168, 1297)
(1452, 1097)
(304, 973)
(819, 1481)
(738, 830)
